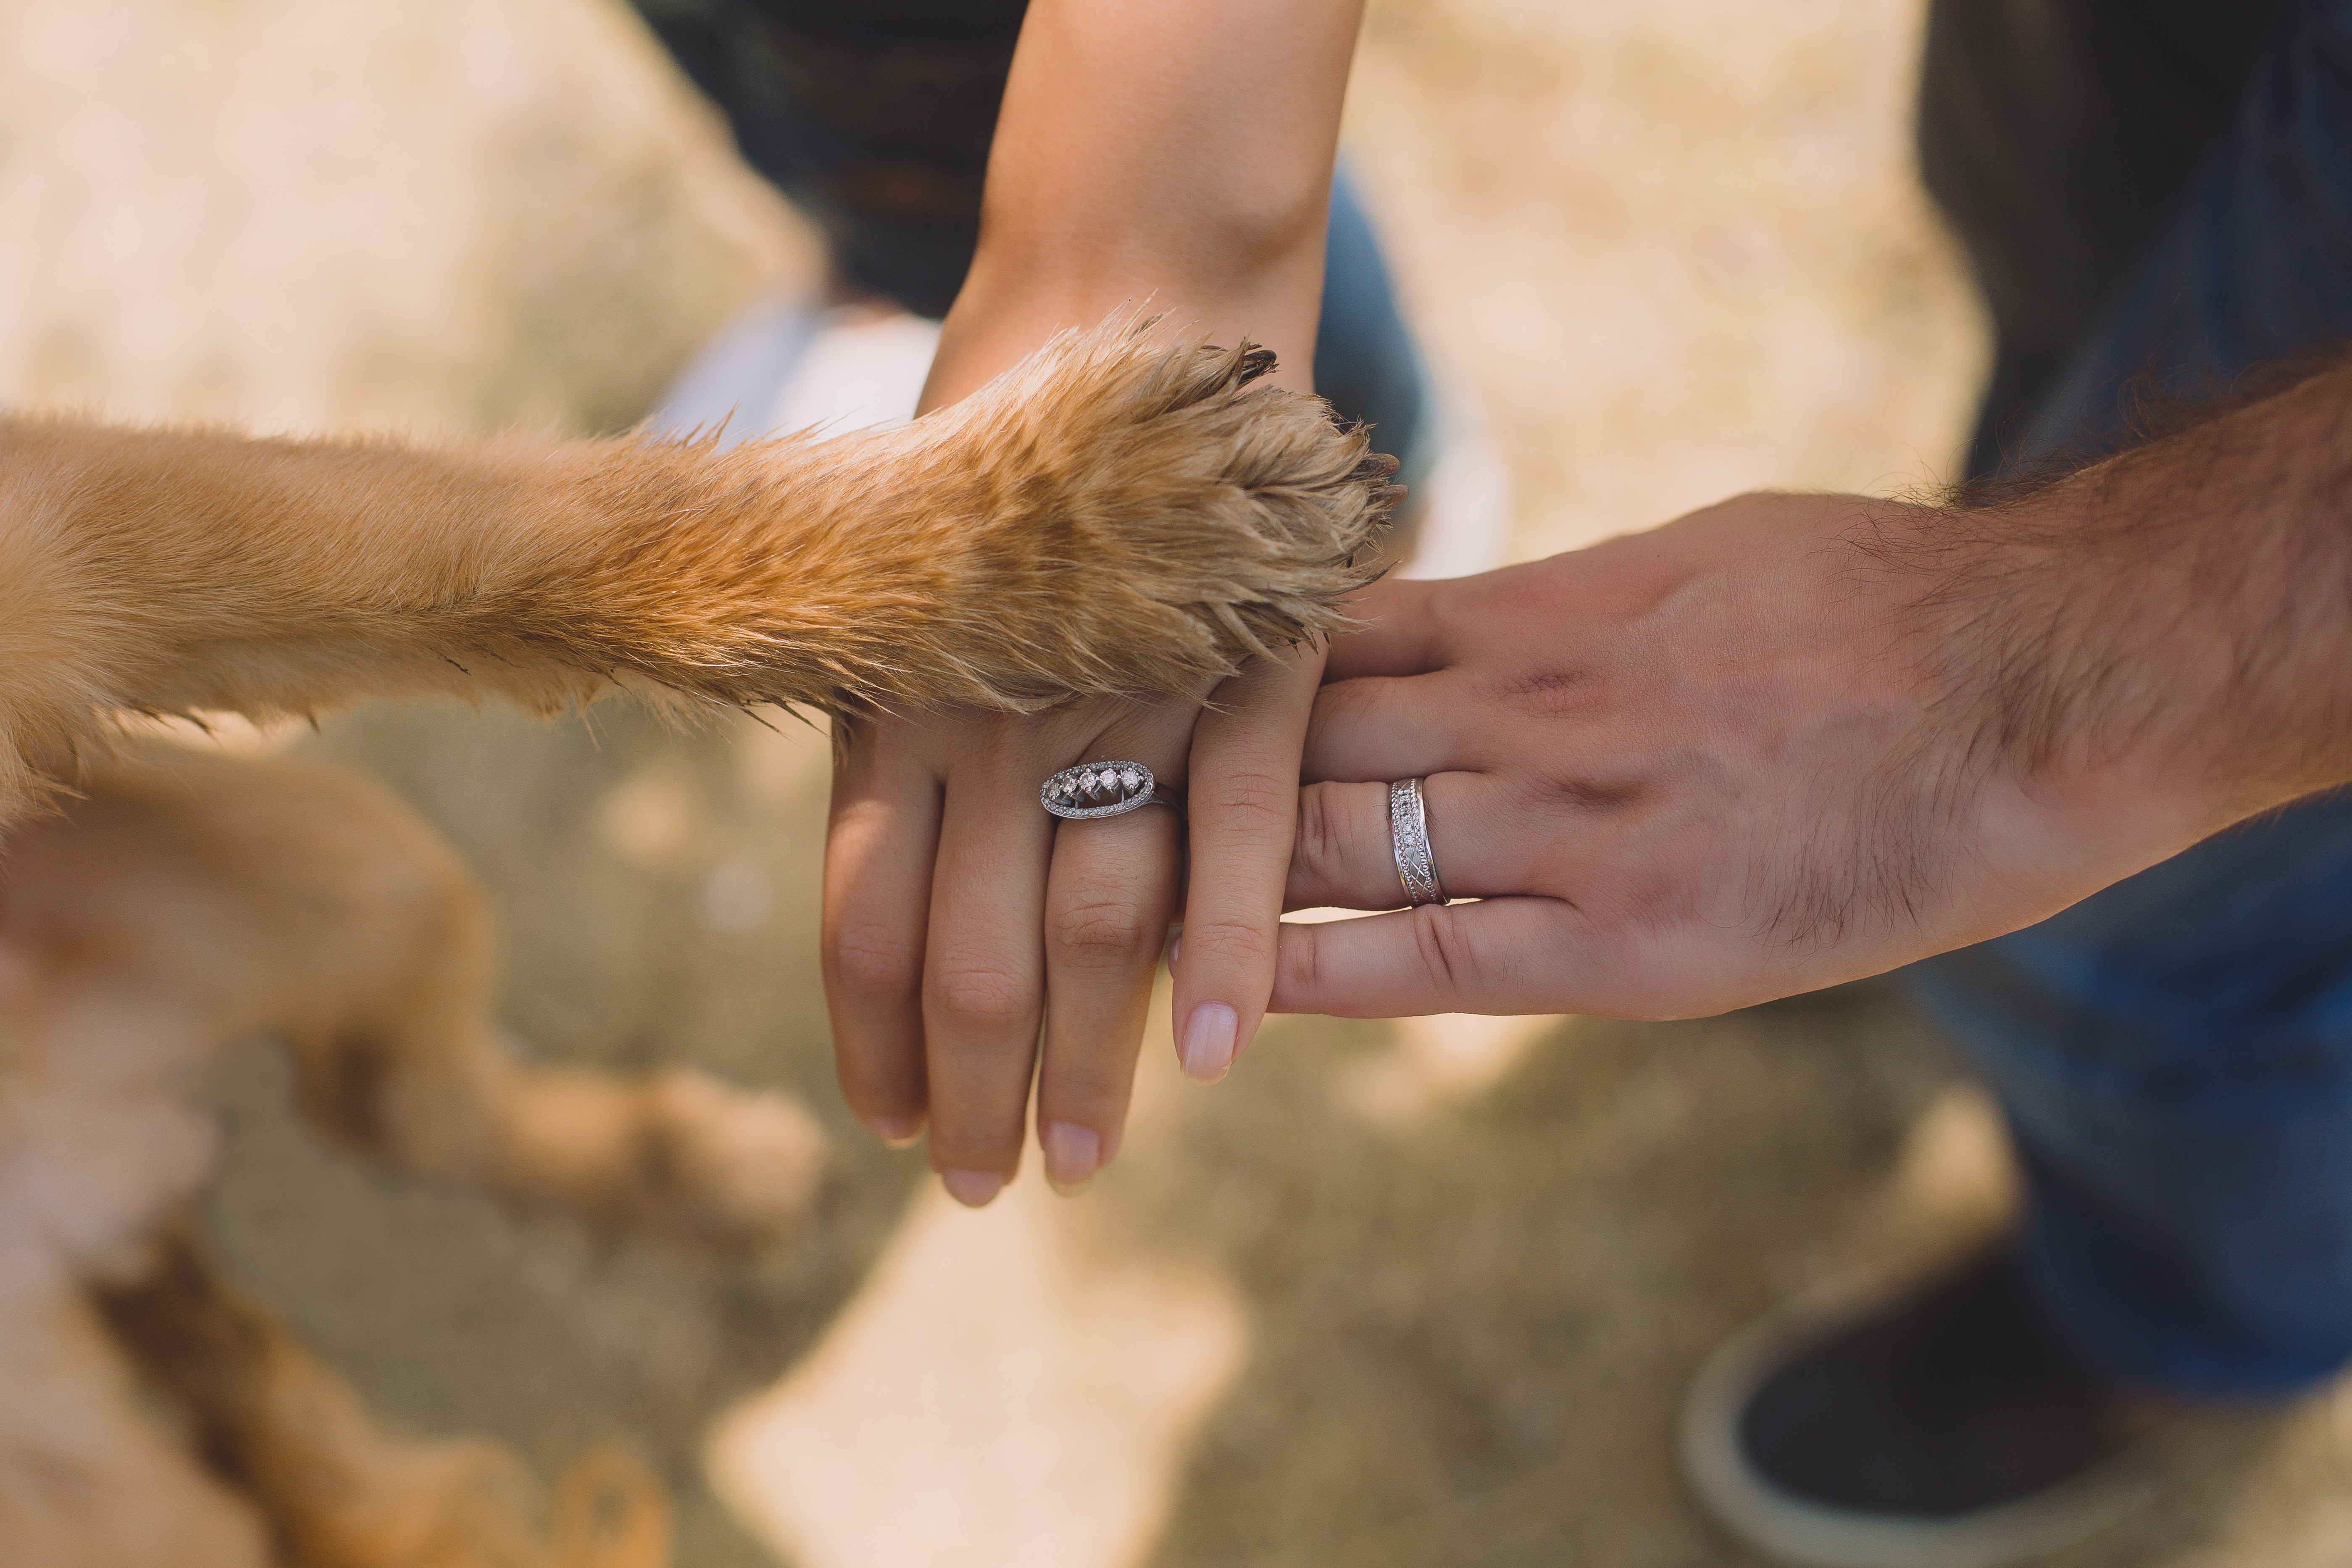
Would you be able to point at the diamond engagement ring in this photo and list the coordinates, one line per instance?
(1409, 838)
(1104, 789)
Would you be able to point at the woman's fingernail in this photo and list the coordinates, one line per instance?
(1073, 1155)
(1209, 1039)
(1175, 950)
(896, 1131)
(972, 1189)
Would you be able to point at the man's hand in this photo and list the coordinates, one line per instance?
(1782, 742)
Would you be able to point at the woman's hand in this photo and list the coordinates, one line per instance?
(961, 917)
(1178, 156)
(1767, 748)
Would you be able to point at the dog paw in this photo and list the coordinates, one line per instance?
(723, 1167)
(1199, 517)
(1121, 514)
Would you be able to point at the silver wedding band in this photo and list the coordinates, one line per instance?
(1104, 789)
(1409, 838)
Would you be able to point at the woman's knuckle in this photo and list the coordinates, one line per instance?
(1102, 926)
(869, 966)
(1249, 800)
(977, 993)
(1230, 940)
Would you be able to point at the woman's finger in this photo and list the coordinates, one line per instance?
(1345, 856)
(1500, 955)
(983, 975)
(879, 842)
(1244, 784)
(1108, 901)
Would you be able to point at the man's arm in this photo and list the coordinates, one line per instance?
(1791, 740)
(2177, 621)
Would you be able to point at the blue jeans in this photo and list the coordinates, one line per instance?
(2175, 1053)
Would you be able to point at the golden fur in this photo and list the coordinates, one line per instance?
(1105, 517)
(1111, 518)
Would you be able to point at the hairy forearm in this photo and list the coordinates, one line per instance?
(1178, 154)
(2173, 623)
(1111, 519)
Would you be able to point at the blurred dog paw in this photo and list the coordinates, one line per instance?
(725, 1168)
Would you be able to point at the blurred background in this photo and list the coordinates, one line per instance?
(1418, 1293)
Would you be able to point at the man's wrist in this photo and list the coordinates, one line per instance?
(2170, 625)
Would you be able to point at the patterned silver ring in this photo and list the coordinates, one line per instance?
(1104, 789)
(1409, 838)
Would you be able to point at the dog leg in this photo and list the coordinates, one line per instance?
(267, 896)
(338, 1491)
(1112, 517)
(87, 1478)
(397, 1054)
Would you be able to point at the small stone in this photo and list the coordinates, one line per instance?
(1130, 778)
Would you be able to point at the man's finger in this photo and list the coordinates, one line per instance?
(878, 848)
(1386, 728)
(1398, 634)
(1485, 957)
(1345, 856)
(1244, 805)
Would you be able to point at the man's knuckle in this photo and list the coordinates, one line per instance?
(1444, 947)
(1550, 690)
(1589, 793)
(1091, 1080)
(1324, 834)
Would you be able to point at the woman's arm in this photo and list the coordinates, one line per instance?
(1174, 154)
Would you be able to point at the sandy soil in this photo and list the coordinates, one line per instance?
(1411, 1294)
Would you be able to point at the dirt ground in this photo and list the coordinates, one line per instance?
(1414, 1294)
